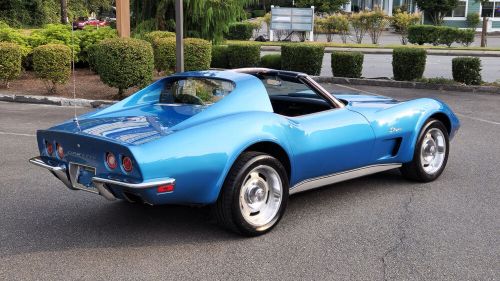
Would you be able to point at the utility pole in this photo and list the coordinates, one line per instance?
(123, 17)
(64, 11)
(179, 36)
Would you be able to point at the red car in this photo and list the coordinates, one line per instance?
(81, 22)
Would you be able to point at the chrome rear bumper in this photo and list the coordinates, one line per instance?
(100, 183)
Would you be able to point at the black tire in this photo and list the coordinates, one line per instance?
(227, 209)
(414, 170)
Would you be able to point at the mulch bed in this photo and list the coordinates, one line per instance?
(88, 86)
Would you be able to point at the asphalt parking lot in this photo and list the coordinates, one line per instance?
(379, 227)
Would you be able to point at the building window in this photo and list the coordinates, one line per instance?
(491, 9)
(459, 11)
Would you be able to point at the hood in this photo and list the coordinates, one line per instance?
(133, 126)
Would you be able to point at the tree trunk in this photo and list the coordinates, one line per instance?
(64, 11)
(484, 33)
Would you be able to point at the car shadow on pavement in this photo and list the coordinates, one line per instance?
(94, 223)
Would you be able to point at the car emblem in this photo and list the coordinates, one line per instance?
(395, 130)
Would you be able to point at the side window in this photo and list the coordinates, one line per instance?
(291, 97)
(197, 91)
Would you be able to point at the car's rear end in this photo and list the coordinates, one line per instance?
(98, 165)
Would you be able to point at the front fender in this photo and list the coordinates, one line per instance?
(430, 108)
(200, 157)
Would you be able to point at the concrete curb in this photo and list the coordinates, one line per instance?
(375, 51)
(407, 84)
(54, 100)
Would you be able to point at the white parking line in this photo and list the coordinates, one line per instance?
(17, 134)
(478, 119)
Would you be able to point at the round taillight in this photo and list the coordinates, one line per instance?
(49, 148)
(111, 160)
(127, 164)
(60, 151)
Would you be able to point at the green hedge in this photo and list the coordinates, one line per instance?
(243, 55)
(10, 62)
(152, 36)
(125, 62)
(197, 54)
(347, 64)
(240, 31)
(439, 35)
(467, 70)
(52, 63)
(272, 61)
(302, 58)
(408, 64)
(219, 57)
(164, 54)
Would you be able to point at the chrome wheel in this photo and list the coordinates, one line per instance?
(433, 151)
(261, 195)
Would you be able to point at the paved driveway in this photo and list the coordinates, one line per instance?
(374, 228)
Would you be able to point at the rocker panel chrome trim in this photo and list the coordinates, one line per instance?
(342, 176)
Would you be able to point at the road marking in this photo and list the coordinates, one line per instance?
(354, 89)
(478, 119)
(17, 134)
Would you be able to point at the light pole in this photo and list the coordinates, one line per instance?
(179, 36)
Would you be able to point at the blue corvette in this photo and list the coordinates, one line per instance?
(243, 141)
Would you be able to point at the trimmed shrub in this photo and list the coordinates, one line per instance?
(258, 13)
(164, 54)
(302, 58)
(152, 36)
(408, 64)
(52, 63)
(446, 35)
(11, 35)
(243, 55)
(421, 34)
(272, 61)
(466, 36)
(240, 31)
(439, 35)
(125, 62)
(347, 64)
(90, 36)
(10, 62)
(467, 70)
(219, 57)
(197, 54)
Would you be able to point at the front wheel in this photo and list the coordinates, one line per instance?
(254, 195)
(431, 153)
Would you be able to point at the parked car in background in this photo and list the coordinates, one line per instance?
(81, 22)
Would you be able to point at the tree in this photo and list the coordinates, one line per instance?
(484, 30)
(208, 19)
(437, 9)
(64, 11)
(323, 6)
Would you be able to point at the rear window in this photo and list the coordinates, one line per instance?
(197, 91)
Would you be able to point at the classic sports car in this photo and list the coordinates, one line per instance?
(243, 141)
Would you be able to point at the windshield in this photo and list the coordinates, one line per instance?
(198, 91)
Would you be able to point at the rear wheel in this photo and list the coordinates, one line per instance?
(254, 195)
(431, 153)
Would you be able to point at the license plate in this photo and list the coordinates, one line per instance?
(81, 177)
